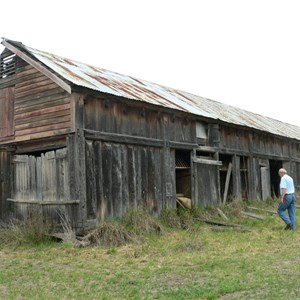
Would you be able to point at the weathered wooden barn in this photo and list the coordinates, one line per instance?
(93, 143)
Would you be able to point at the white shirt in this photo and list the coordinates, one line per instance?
(287, 183)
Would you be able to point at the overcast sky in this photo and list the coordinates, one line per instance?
(239, 52)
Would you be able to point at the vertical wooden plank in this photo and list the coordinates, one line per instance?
(155, 180)
(144, 177)
(39, 184)
(32, 178)
(5, 183)
(107, 180)
(265, 183)
(63, 188)
(236, 183)
(138, 175)
(228, 175)
(79, 158)
(132, 177)
(125, 179)
(101, 207)
(91, 181)
(151, 179)
(116, 181)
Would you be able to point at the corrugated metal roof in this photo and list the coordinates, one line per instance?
(98, 79)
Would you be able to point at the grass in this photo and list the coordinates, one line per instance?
(195, 263)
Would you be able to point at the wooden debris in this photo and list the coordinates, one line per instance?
(221, 214)
(272, 212)
(179, 203)
(297, 206)
(224, 228)
(218, 223)
(252, 215)
(227, 182)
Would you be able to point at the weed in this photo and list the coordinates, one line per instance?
(139, 222)
(34, 230)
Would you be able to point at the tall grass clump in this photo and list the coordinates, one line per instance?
(34, 230)
(139, 221)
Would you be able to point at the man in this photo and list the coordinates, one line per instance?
(287, 200)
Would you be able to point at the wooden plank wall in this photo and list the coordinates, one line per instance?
(122, 176)
(116, 116)
(251, 142)
(7, 112)
(43, 183)
(207, 185)
(41, 178)
(5, 183)
(41, 108)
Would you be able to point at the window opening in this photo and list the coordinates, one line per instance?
(7, 64)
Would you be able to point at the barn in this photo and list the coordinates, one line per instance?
(94, 143)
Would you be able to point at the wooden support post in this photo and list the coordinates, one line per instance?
(77, 160)
(227, 182)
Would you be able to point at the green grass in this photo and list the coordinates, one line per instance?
(197, 263)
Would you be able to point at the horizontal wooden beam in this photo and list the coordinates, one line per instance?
(44, 202)
(181, 145)
(136, 140)
(122, 138)
(207, 161)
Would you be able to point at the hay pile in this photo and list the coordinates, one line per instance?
(108, 234)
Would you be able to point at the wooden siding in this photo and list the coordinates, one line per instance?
(7, 113)
(206, 184)
(250, 142)
(119, 177)
(112, 115)
(5, 183)
(41, 107)
(42, 178)
(43, 183)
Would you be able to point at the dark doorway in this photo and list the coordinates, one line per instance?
(275, 165)
(226, 177)
(183, 173)
(244, 177)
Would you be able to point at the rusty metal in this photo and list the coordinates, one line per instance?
(105, 81)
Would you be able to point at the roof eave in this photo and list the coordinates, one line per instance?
(9, 45)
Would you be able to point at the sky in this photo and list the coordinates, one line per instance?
(245, 53)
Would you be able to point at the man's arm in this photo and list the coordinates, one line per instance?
(283, 191)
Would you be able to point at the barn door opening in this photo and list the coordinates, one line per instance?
(244, 177)
(183, 173)
(275, 165)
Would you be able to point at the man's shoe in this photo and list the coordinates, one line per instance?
(288, 227)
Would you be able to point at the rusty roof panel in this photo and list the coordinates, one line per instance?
(126, 86)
